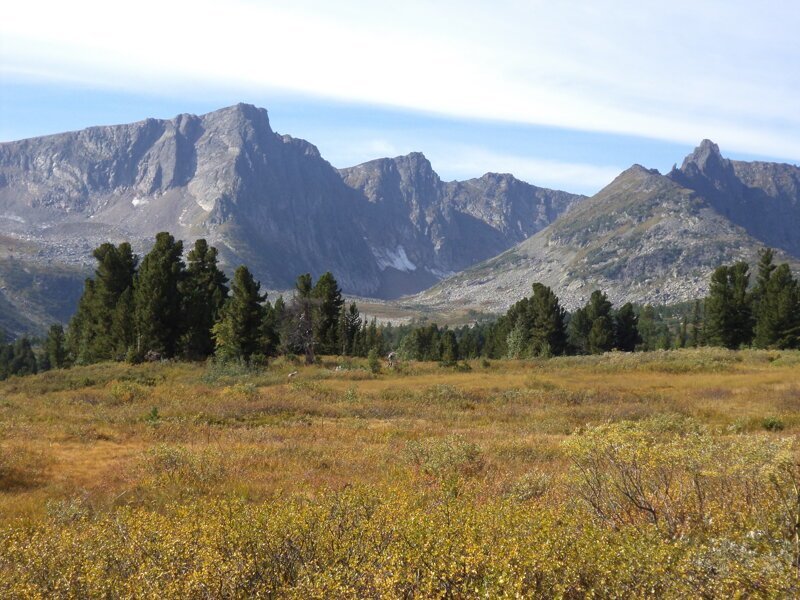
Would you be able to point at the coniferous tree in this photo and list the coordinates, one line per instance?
(626, 328)
(122, 332)
(728, 318)
(583, 321)
(578, 331)
(23, 361)
(696, 334)
(328, 306)
(601, 336)
(239, 333)
(778, 316)
(350, 329)
(204, 292)
(6, 357)
(157, 297)
(548, 332)
(766, 267)
(92, 337)
(55, 347)
(449, 348)
(297, 334)
(270, 327)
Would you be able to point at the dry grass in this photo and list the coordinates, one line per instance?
(115, 450)
(91, 432)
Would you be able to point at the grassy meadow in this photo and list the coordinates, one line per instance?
(663, 474)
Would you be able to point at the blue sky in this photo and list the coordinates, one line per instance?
(563, 95)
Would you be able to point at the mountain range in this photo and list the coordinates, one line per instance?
(646, 237)
(386, 228)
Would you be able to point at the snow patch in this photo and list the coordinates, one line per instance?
(139, 202)
(439, 273)
(12, 218)
(397, 259)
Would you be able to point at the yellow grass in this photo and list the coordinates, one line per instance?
(153, 436)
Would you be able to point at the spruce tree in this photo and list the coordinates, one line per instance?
(328, 306)
(157, 298)
(626, 328)
(122, 332)
(778, 316)
(23, 361)
(601, 335)
(55, 347)
(449, 348)
(578, 331)
(297, 331)
(239, 332)
(203, 291)
(92, 337)
(548, 335)
(728, 318)
(696, 333)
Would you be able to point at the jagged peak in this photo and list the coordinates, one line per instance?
(706, 153)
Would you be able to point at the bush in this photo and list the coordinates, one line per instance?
(374, 362)
(772, 424)
(446, 460)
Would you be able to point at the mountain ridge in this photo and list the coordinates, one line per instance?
(266, 199)
(646, 238)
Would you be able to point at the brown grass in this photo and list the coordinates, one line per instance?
(91, 432)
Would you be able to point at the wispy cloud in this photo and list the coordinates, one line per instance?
(677, 71)
(467, 162)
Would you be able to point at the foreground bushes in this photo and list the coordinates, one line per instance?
(663, 508)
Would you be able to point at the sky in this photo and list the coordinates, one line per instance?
(561, 94)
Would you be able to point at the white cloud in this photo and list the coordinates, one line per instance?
(678, 71)
(468, 161)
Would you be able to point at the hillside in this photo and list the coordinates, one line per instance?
(644, 238)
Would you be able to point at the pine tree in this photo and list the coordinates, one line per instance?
(157, 298)
(352, 325)
(92, 337)
(449, 348)
(6, 356)
(23, 361)
(329, 304)
(778, 316)
(122, 332)
(270, 337)
(583, 321)
(238, 334)
(728, 319)
(297, 334)
(696, 334)
(203, 291)
(765, 269)
(578, 331)
(548, 335)
(601, 336)
(626, 329)
(55, 347)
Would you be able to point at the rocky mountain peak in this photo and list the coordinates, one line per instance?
(706, 155)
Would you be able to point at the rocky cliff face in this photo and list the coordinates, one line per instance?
(646, 237)
(761, 197)
(270, 201)
(424, 228)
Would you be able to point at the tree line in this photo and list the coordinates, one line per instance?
(165, 307)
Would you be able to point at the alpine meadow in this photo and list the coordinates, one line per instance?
(556, 355)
